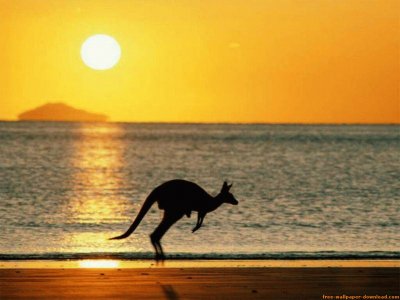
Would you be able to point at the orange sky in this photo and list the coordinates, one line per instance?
(324, 61)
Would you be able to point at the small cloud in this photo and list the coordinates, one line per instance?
(234, 45)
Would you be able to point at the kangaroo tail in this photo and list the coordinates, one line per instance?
(145, 208)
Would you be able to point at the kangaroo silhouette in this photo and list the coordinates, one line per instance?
(178, 198)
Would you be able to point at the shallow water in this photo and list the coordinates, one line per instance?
(67, 187)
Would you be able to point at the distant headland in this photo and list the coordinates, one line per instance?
(60, 112)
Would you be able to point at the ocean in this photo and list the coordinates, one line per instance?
(304, 191)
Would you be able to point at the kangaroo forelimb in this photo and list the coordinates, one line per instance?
(200, 219)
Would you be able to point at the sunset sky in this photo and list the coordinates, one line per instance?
(325, 61)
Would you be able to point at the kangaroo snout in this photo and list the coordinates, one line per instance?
(233, 201)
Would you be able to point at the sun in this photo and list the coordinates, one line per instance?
(100, 52)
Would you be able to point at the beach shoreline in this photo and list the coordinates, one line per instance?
(199, 282)
(198, 263)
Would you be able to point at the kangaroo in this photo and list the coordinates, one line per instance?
(178, 198)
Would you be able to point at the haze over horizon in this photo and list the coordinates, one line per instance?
(235, 62)
(62, 112)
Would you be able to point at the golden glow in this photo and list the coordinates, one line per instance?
(97, 149)
(96, 181)
(99, 263)
(207, 61)
(100, 52)
(205, 263)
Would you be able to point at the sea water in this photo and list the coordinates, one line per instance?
(303, 190)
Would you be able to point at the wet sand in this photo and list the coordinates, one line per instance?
(198, 283)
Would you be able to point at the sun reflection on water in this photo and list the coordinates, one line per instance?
(98, 174)
(98, 263)
(96, 200)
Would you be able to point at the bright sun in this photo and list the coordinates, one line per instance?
(100, 52)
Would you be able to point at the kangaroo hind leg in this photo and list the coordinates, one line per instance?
(168, 220)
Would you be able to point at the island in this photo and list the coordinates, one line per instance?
(60, 112)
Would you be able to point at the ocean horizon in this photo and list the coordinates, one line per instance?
(207, 123)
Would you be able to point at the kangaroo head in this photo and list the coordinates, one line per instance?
(226, 196)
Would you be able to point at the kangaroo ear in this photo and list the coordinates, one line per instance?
(226, 186)
(229, 186)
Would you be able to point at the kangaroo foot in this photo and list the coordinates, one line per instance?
(160, 257)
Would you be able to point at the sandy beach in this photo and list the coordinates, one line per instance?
(199, 283)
